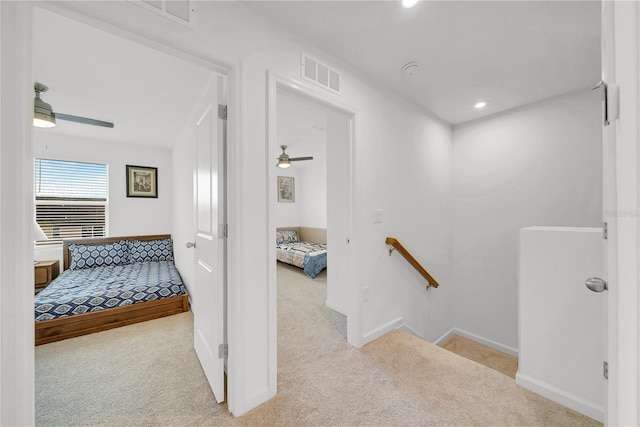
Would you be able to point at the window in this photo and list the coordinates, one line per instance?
(70, 199)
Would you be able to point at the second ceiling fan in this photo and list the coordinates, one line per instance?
(43, 115)
(284, 161)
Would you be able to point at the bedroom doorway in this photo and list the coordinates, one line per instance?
(173, 209)
(327, 124)
(318, 206)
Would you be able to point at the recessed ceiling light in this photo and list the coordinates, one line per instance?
(480, 104)
(410, 68)
(407, 4)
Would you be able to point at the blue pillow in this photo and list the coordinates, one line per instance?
(88, 256)
(155, 250)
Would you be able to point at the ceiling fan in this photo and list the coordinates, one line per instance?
(284, 161)
(44, 117)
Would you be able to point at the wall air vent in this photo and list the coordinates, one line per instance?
(320, 74)
(181, 11)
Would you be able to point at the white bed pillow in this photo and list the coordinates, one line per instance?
(287, 236)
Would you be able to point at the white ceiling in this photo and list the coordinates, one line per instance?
(509, 53)
(149, 95)
(301, 127)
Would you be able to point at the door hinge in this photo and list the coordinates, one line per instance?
(605, 370)
(223, 231)
(223, 351)
(610, 101)
(222, 112)
(605, 231)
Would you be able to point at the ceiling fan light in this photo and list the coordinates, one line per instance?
(480, 105)
(43, 116)
(284, 163)
(408, 4)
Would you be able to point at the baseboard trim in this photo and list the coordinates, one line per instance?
(408, 330)
(335, 307)
(444, 337)
(380, 331)
(569, 400)
(489, 343)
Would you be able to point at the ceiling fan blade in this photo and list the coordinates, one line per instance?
(83, 120)
(294, 159)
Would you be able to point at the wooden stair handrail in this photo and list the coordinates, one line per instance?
(431, 282)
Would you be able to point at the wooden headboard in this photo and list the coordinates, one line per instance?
(92, 241)
(309, 234)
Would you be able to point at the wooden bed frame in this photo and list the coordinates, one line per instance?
(47, 331)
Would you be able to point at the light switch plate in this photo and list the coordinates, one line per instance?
(377, 216)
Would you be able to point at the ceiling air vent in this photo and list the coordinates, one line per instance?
(177, 10)
(319, 73)
(154, 3)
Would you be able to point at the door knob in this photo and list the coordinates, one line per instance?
(191, 244)
(596, 284)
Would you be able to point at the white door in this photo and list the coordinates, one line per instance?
(338, 212)
(210, 243)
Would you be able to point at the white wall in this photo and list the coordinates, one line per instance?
(537, 165)
(405, 163)
(127, 215)
(295, 129)
(560, 320)
(288, 213)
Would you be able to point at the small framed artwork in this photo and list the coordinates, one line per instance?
(142, 181)
(286, 189)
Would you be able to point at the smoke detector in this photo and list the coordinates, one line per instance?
(411, 68)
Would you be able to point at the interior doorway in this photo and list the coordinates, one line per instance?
(301, 207)
(179, 199)
(342, 291)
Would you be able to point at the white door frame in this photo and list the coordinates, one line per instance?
(623, 352)
(354, 322)
(17, 367)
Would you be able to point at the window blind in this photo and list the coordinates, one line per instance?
(70, 199)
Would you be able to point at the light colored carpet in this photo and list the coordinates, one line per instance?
(147, 374)
(487, 356)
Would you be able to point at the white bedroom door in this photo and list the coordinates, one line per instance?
(210, 245)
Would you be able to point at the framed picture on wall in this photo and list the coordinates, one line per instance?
(142, 181)
(286, 189)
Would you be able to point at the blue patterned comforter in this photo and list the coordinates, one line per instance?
(93, 289)
(311, 257)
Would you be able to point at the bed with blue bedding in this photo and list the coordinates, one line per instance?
(107, 283)
(310, 256)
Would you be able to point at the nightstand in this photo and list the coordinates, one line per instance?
(45, 272)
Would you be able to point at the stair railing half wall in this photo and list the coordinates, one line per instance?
(396, 245)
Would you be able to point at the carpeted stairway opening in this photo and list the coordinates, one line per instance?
(487, 356)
